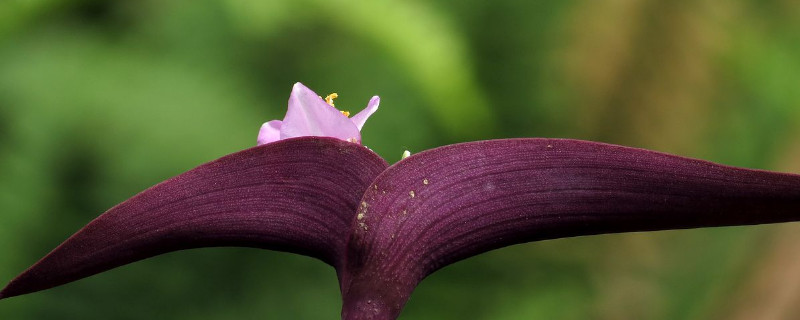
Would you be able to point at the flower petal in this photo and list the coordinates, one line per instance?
(297, 195)
(270, 132)
(309, 115)
(360, 118)
(450, 203)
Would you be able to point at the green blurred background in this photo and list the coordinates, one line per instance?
(102, 99)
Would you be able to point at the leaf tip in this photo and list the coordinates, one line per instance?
(13, 289)
(4, 293)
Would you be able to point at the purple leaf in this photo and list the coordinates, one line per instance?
(450, 203)
(296, 195)
(385, 229)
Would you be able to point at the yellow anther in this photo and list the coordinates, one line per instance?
(330, 97)
(329, 100)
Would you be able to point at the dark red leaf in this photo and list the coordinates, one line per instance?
(450, 203)
(427, 211)
(297, 195)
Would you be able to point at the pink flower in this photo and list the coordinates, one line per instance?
(310, 115)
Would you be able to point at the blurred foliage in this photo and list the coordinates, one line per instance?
(101, 99)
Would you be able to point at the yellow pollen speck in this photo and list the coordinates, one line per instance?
(329, 99)
(411, 193)
(360, 216)
(425, 181)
